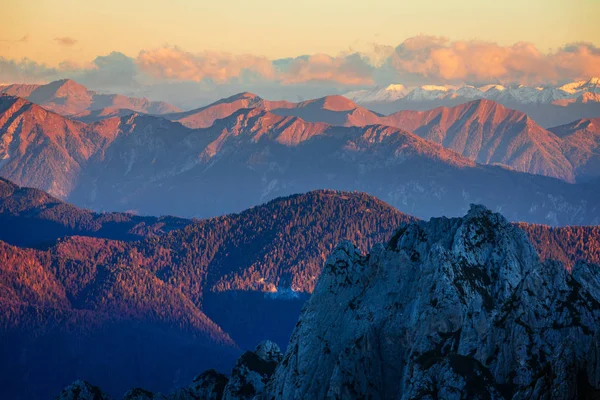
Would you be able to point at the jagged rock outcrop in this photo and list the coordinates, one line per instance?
(209, 385)
(82, 390)
(451, 308)
(141, 394)
(252, 372)
(248, 379)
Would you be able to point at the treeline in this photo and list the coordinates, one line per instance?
(567, 244)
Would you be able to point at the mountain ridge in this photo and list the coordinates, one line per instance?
(67, 97)
(516, 141)
(581, 145)
(548, 105)
(525, 94)
(487, 132)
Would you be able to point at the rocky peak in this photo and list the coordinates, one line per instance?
(252, 372)
(66, 90)
(209, 385)
(331, 103)
(451, 308)
(82, 390)
(268, 351)
(141, 394)
(244, 95)
(66, 87)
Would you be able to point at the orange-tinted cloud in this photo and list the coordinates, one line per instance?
(416, 61)
(23, 39)
(438, 60)
(171, 63)
(578, 60)
(65, 41)
(174, 64)
(348, 70)
(114, 70)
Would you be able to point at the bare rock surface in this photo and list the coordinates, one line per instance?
(451, 308)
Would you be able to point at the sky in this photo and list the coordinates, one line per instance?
(291, 43)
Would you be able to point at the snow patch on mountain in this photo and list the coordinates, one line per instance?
(583, 90)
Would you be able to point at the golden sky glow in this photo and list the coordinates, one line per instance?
(53, 31)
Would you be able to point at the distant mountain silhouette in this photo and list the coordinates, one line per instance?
(30, 217)
(67, 97)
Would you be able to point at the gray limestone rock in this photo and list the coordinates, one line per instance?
(82, 390)
(458, 308)
(252, 372)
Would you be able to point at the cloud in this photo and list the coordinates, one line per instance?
(115, 70)
(579, 60)
(174, 64)
(349, 70)
(23, 39)
(175, 73)
(26, 71)
(430, 59)
(416, 61)
(65, 41)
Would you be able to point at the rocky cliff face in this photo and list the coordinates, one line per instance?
(452, 308)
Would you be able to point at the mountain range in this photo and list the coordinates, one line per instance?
(512, 137)
(547, 105)
(199, 290)
(573, 92)
(156, 165)
(578, 91)
(481, 130)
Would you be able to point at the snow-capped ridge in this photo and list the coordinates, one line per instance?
(582, 91)
(396, 87)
